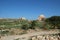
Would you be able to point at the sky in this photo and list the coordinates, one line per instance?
(30, 9)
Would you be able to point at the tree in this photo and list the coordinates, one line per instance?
(54, 21)
(36, 24)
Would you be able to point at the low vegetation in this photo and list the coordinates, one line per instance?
(11, 26)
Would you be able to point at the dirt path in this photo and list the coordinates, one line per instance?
(26, 36)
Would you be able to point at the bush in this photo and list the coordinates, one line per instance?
(25, 27)
(4, 32)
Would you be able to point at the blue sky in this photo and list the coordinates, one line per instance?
(29, 9)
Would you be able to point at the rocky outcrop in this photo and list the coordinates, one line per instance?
(46, 37)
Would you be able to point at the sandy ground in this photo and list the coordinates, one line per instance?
(26, 36)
